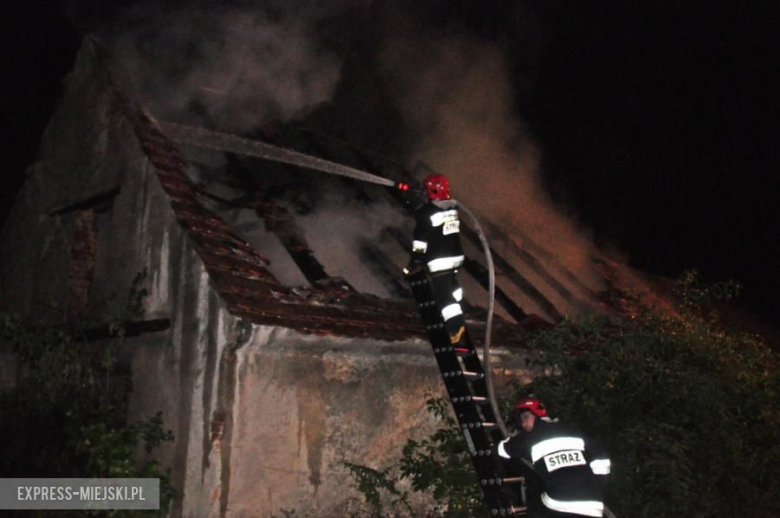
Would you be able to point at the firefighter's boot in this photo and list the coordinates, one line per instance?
(457, 337)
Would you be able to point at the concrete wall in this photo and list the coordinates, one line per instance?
(88, 149)
(266, 416)
(178, 371)
(304, 406)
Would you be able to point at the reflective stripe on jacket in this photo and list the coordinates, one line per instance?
(437, 236)
(572, 467)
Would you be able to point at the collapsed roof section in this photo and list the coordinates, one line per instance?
(240, 272)
(358, 231)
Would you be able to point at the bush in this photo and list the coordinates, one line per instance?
(439, 466)
(688, 409)
(67, 416)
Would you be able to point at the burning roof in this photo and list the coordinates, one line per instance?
(240, 273)
(322, 254)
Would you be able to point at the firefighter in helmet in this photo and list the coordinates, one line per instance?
(572, 468)
(437, 248)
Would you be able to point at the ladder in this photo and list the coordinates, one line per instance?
(464, 379)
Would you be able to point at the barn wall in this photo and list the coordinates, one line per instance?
(263, 417)
(268, 416)
(91, 214)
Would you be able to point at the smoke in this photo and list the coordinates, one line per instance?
(235, 67)
(341, 225)
(244, 65)
(459, 106)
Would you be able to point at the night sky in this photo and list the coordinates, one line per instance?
(658, 121)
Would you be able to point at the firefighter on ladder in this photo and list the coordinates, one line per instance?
(437, 248)
(572, 469)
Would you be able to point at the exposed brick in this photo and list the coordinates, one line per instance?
(82, 261)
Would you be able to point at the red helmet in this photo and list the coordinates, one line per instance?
(437, 186)
(532, 404)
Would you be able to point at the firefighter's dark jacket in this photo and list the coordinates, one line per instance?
(572, 467)
(437, 236)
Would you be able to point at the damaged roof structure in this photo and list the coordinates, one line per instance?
(241, 274)
(257, 201)
(279, 338)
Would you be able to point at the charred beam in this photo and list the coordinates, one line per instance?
(385, 269)
(521, 282)
(279, 221)
(99, 203)
(552, 261)
(480, 274)
(136, 328)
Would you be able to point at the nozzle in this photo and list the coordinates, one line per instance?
(402, 186)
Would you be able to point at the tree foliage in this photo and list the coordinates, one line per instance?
(687, 408)
(439, 466)
(66, 417)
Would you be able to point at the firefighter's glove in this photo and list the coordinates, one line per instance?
(412, 269)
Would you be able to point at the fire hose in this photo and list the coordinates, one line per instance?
(489, 321)
(201, 137)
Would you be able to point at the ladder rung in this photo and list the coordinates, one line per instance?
(466, 374)
(478, 424)
(483, 453)
(470, 399)
(499, 481)
(460, 351)
(509, 511)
